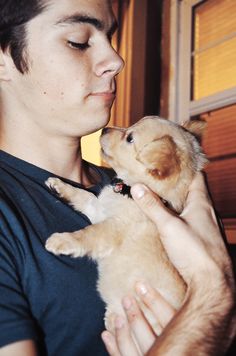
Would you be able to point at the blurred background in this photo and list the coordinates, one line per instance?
(181, 63)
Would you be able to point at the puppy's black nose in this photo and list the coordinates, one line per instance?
(105, 130)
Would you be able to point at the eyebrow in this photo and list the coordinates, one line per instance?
(85, 19)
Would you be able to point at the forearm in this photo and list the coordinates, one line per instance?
(20, 348)
(205, 325)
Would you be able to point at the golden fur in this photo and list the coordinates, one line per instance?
(124, 242)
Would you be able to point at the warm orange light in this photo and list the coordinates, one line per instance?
(214, 52)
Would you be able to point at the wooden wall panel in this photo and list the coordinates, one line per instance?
(130, 43)
(220, 137)
(222, 184)
(220, 146)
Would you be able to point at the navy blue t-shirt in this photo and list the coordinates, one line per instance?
(50, 299)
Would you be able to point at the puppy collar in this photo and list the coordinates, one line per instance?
(120, 187)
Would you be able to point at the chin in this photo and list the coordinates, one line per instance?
(97, 123)
(102, 118)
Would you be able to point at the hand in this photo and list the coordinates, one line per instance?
(195, 246)
(195, 230)
(136, 326)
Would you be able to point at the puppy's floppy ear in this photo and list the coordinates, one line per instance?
(196, 127)
(160, 157)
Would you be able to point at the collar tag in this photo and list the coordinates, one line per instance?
(120, 187)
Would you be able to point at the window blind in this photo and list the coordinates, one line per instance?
(219, 143)
(213, 47)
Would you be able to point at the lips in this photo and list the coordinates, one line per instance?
(107, 90)
(105, 94)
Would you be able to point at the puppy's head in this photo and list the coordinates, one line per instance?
(158, 153)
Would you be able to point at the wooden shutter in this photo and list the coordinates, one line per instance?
(130, 44)
(220, 145)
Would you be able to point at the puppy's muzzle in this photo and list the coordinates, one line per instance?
(106, 130)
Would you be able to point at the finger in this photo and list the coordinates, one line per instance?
(172, 230)
(140, 328)
(199, 208)
(198, 198)
(176, 234)
(161, 309)
(198, 184)
(110, 343)
(155, 210)
(124, 338)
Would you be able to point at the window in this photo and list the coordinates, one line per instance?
(203, 84)
(213, 48)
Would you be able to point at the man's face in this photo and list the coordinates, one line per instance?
(69, 88)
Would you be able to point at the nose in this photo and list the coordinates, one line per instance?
(106, 130)
(111, 64)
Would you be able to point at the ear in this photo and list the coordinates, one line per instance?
(3, 68)
(160, 157)
(196, 127)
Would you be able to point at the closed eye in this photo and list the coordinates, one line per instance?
(80, 46)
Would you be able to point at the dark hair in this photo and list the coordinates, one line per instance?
(14, 15)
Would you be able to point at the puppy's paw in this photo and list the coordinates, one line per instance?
(65, 244)
(56, 184)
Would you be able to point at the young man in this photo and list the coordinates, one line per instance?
(57, 71)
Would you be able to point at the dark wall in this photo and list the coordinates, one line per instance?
(153, 58)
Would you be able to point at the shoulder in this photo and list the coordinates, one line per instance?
(9, 180)
(12, 197)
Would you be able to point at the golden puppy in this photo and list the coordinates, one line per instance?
(124, 242)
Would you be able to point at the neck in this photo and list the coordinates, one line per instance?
(174, 193)
(54, 153)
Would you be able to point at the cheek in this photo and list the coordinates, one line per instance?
(61, 79)
(125, 157)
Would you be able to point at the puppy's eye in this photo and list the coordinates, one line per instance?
(130, 138)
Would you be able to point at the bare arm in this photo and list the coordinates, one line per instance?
(206, 322)
(21, 348)
(205, 325)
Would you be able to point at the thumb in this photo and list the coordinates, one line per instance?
(172, 230)
(153, 207)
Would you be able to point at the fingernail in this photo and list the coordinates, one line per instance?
(106, 337)
(126, 303)
(138, 191)
(141, 288)
(119, 322)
